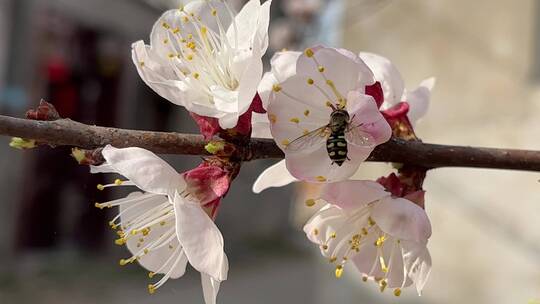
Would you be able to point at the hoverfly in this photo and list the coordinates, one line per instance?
(337, 134)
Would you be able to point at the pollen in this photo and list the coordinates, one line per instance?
(333, 235)
(151, 289)
(371, 222)
(309, 53)
(118, 182)
(166, 25)
(310, 81)
(321, 69)
(397, 292)
(176, 30)
(123, 262)
(310, 202)
(285, 142)
(98, 205)
(276, 88)
(214, 12)
(100, 187)
(306, 113)
(380, 241)
(196, 75)
(191, 45)
(339, 271)
(120, 241)
(151, 275)
(382, 285)
(295, 120)
(321, 179)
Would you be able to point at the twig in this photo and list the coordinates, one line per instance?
(65, 132)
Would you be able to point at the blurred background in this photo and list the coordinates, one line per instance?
(55, 246)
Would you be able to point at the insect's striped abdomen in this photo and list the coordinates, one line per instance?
(336, 145)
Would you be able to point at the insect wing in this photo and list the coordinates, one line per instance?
(358, 137)
(309, 141)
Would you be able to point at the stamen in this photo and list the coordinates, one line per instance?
(339, 271)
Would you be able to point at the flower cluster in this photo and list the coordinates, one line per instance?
(326, 108)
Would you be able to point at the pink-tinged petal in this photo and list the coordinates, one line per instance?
(202, 240)
(290, 119)
(396, 275)
(323, 224)
(316, 166)
(364, 113)
(344, 72)
(417, 197)
(260, 125)
(387, 74)
(353, 194)
(207, 183)
(402, 219)
(419, 100)
(208, 126)
(274, 176)
(417, 261)
(283, 66)
(145, 169)
(375, 91)
(158, 260)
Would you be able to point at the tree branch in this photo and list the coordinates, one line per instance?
(65, 132)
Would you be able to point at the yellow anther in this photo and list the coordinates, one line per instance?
(315, 231)
(146, 231)
(309, 52)
(339, 271)
(166, 25)
(134, 231)
(181, 8)
(295, 120)
(276, 88)
(118, 182)
(141, 240)
(190, 36)
(364, 278)
(151, 275)
(364, 231)
(214, 12)
(146, 251)
(329, 104)
(285, 142)
(196, 75)
(321, 69)
(120, 233)
(189, 57)
(382, 285)
(176, 30)
(321, 179)
(204, 30)
(151, 289)
(98, 205)
(325, 247)
(163, 223)
(305, 132)
(165, 41)
(397, 292)
(171, 247)
(123, 262)
(310, 202)
(185, 19)
(306, 113)
(380, 241)
(171, 55)
(310, 81)
(191, 45)
(120, 241)
(332, 259)
(330, 82)
(100, 187)
(371, 222)
(333, 235)
(113, 225)
(141, 63)
(272, 118)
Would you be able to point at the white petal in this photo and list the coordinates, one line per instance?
(343, 71)
(388, 75)
(260, 126)
(158, 260)
(283, 66)
(351, 195)
(417, 261)
(316, 166)
(419, 100)
(210, 288)
(145, 169)
(246, 25)
(202, 240)
(367, 256)
(274, 176)
(323, 224)
(402, 219)
(249, 79)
